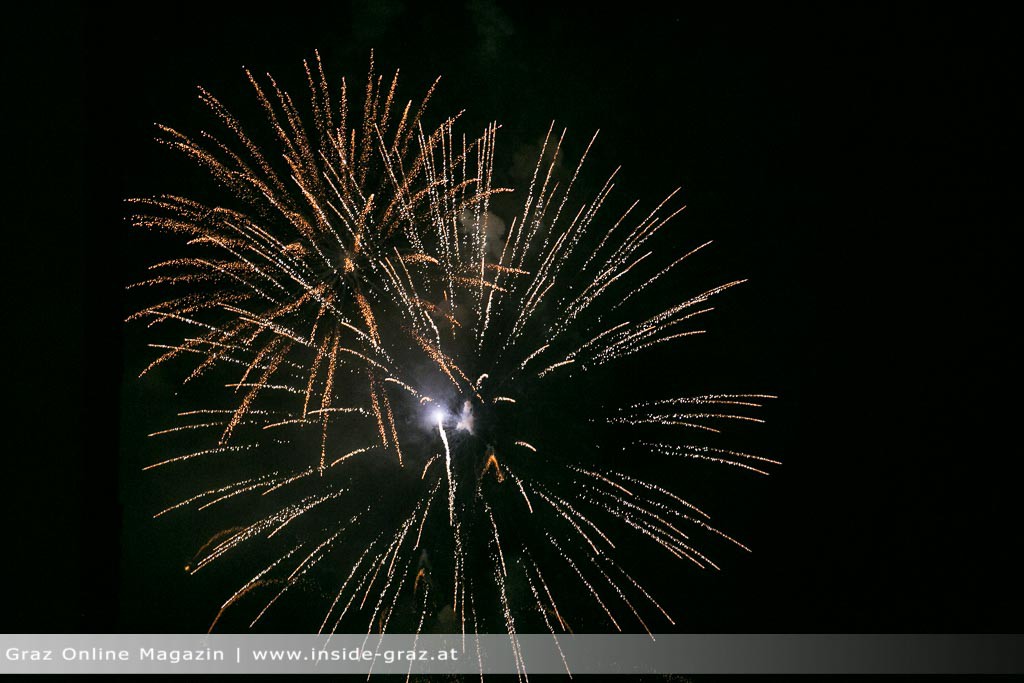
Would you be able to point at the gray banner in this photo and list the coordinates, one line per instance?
(500, 654)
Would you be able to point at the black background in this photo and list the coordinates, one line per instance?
(856, 167)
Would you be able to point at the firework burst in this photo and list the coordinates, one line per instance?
(405, 392)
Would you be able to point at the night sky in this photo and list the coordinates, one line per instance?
(854, 168)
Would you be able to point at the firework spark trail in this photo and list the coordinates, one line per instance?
(448, 469)
(235, 492)
(547, 592)
(426, 511)
(660, 530)
(391, 575)
(456, 533)
(208, 451)
(341, 591)
(547, 623)
(622, 596)
(500, 578)
(662, 526)
(569, 518)
(348, 278)
(583, 579)
(724, 399)
(298, 512)
(681, 419)
(419, 629)
(235, 540)
(222, 489)
(702, 453)
(252, 583)
(304, 566)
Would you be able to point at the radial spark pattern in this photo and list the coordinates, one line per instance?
(412, 399)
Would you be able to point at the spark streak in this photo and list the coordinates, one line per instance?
(448, 469)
